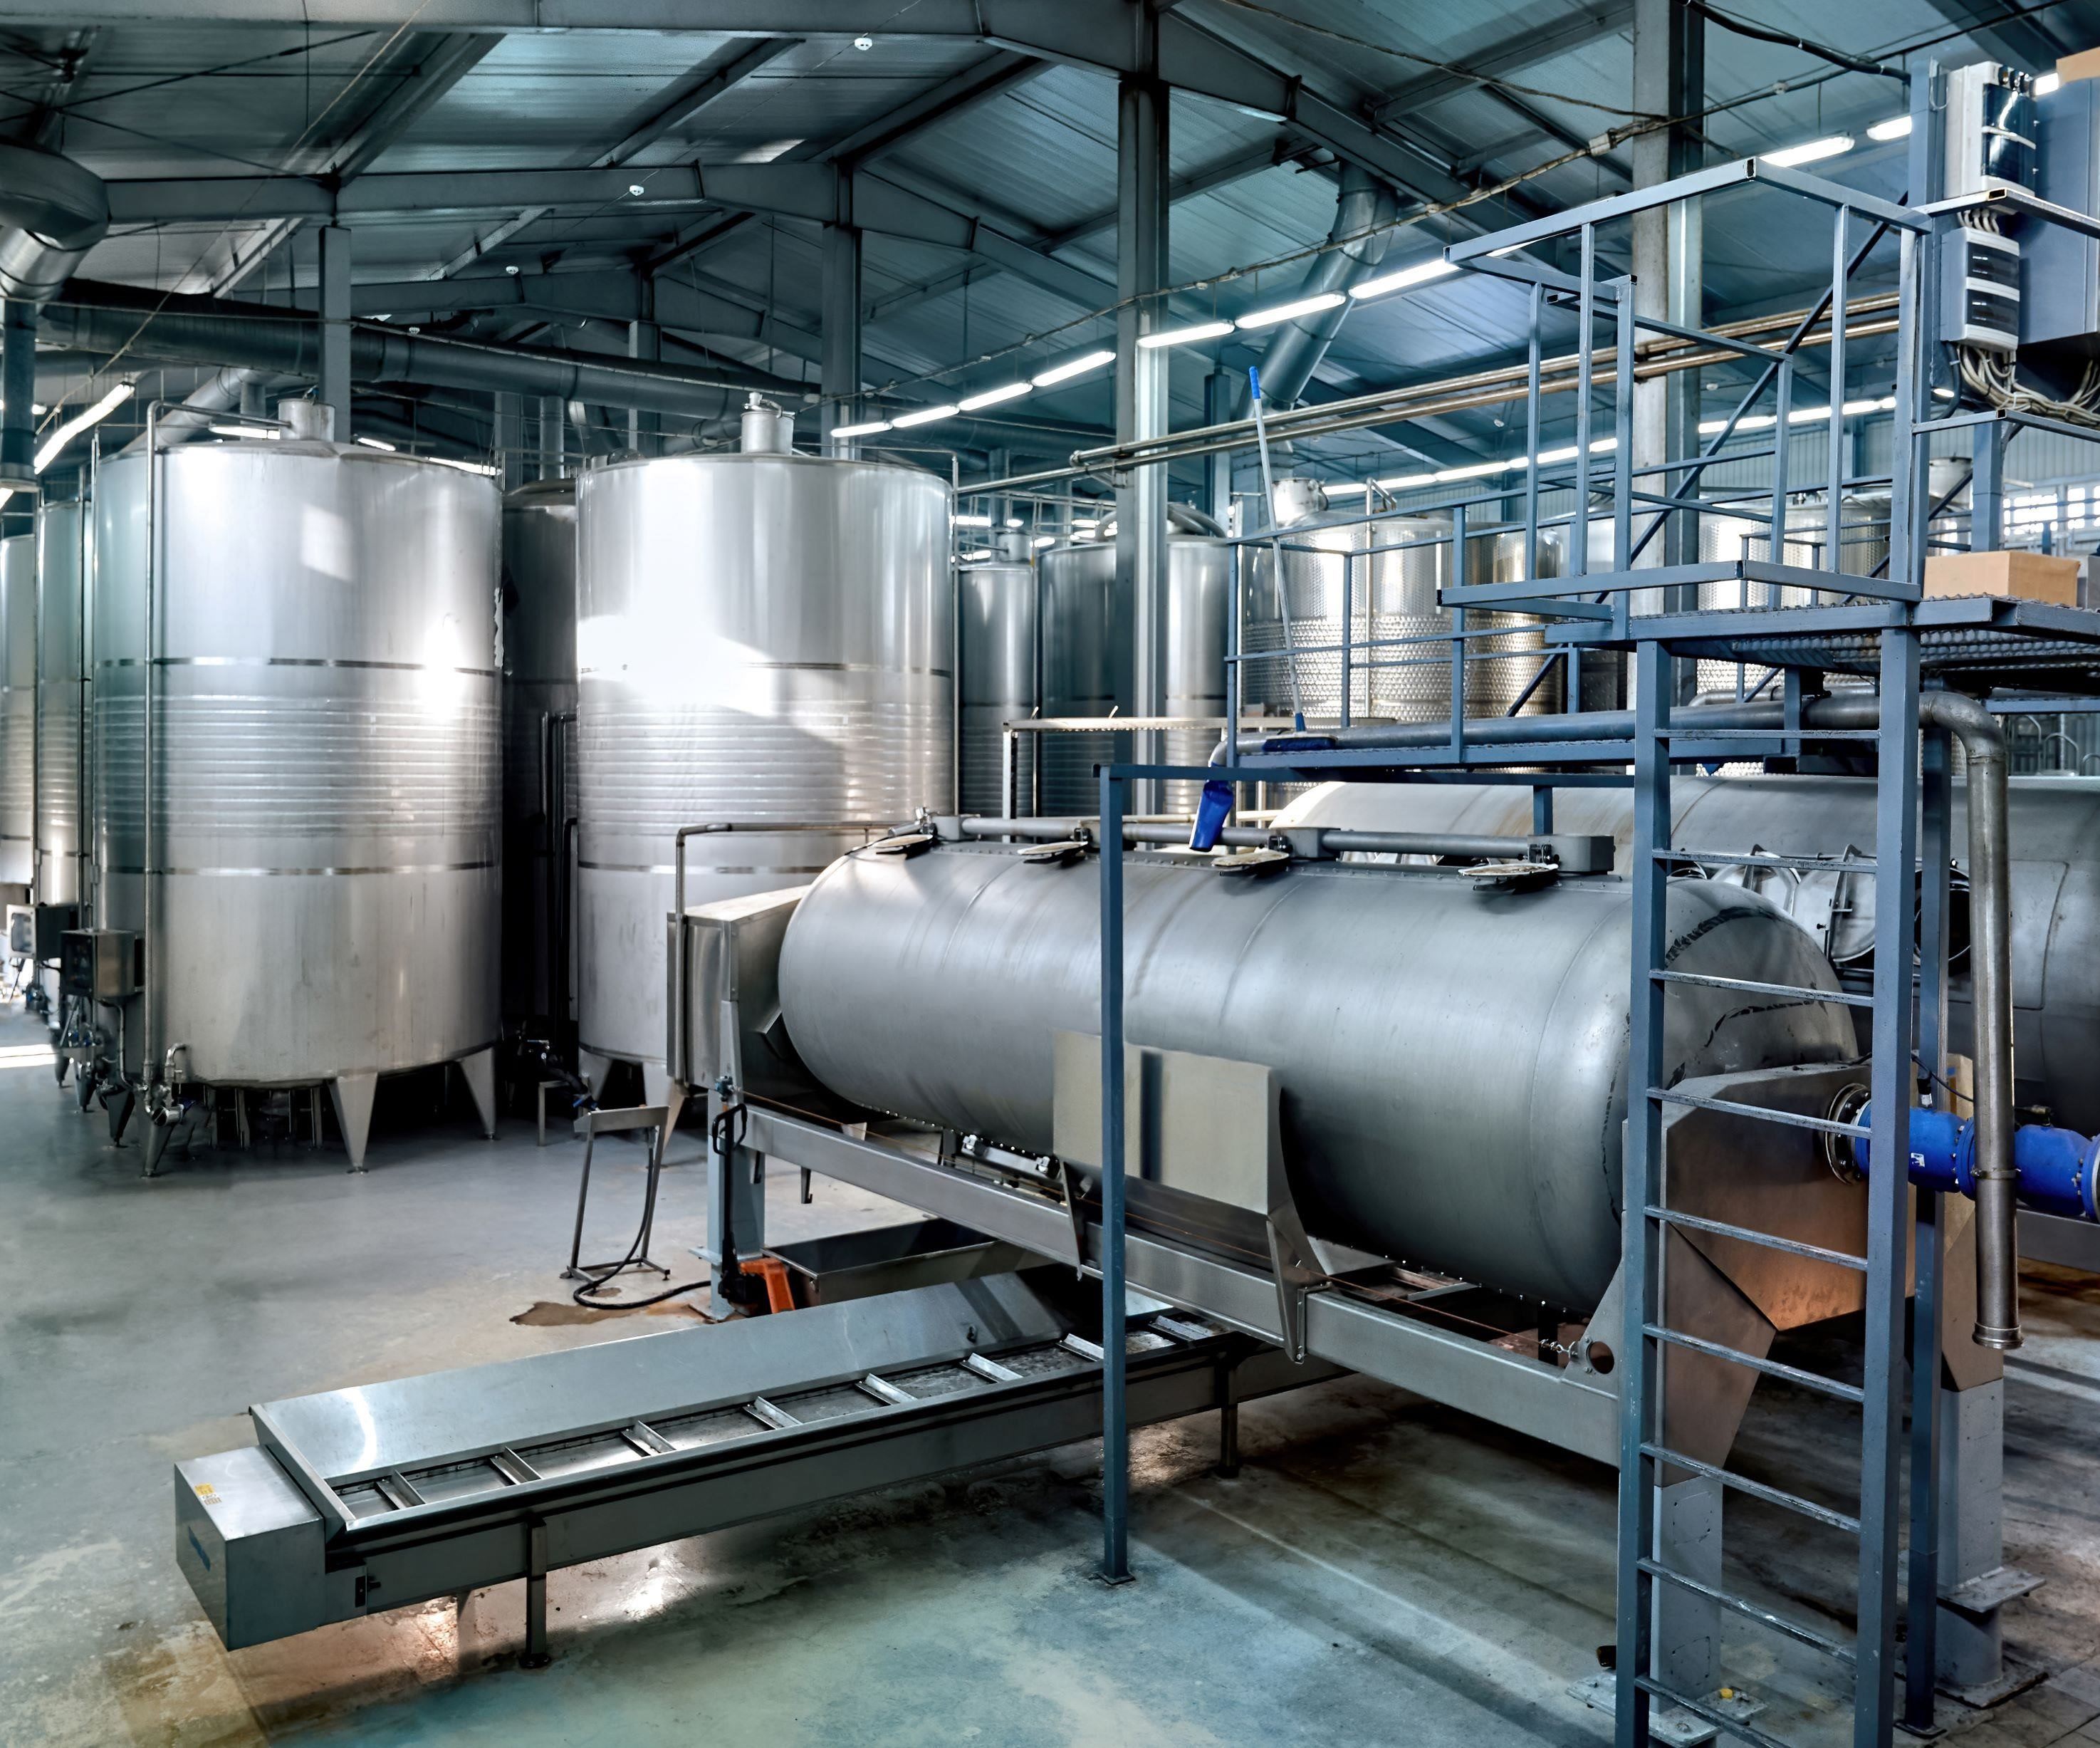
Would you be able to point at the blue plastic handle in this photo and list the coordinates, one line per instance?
(1254, 379)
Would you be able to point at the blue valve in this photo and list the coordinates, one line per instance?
(2059, 1169)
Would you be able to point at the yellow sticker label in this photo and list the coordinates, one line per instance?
(207, 1493)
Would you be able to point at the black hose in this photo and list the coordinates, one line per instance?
(725, 1133)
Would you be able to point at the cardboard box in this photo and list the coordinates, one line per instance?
(2084, 64)
(2024, 575)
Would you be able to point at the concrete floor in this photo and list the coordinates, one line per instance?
(1383, 1571)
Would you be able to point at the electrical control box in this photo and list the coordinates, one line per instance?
(1990, 129)
(101, 964)
(1980, 293)
(2061, 276)
(53, 922)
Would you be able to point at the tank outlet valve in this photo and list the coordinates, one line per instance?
(2058, 1170)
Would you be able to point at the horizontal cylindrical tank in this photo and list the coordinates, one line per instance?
(18, 708)
(995, 671)
(62, 574)
(1453, 1066)
(539, 725)
(2054, 832)
(764, 641)
(1088, 623)
(323, 724)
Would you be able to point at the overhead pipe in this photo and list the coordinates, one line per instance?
(1990, 887)
(264, 337)
(1357, 244)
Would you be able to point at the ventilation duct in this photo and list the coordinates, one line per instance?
(1364, 206)
(51, 212)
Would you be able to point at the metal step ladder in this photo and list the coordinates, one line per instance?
(1652, 1580)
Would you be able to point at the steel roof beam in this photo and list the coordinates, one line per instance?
(1587, 24)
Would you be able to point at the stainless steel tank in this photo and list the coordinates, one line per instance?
(323, 725)
(764, 642)
(996, 674)
(62, 569)
(1452, 1066)
(1088, 619)
(1382, 578)
(539, 742)
(2054, 832)
(18, 709)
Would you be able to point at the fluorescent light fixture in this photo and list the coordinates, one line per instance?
(80, 422)
(991, 397)
(6, 493)
(1073, 367)
(972, 522)
(1284, 312)
(868, 429)
(1810, 151)
(924, 416)
(375, 442)
(1896, 127)
(1347, 488)
(487, 470)
(1082, 527)
(976, 553)
(1404, 482)
(1477, 470)
(1038, 543)
(2048, 82)
(1015, 522)
(1182, 335)
(244, 430)
(1420, 274)
(1764, 422)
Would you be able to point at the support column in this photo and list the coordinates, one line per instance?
(841, 366)
(511, 440)
(18, 391)
(645, 344)
(554, 423)
(1669, 78)
(334, 390)
(1987, 489)
(1141, 390)
(1218, 468)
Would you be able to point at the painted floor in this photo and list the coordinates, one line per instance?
(1383, 1571)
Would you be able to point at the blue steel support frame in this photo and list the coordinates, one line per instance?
(1888, 1193)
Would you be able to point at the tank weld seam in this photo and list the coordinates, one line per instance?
(806, 667)
(298, 661)
(402, 868)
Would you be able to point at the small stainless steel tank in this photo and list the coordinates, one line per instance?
(1452, 1066)
(764, 646)
(18, 709)
(1087, 623)
(62, 573)
(322, 825)
(539, 745)
(995, 671)
(1389, 573)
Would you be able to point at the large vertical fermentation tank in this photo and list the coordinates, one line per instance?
(539, 739)
(62, 569)
(2053, 831)
(995, 671)
(18, 708)
(764, 642)
(1089, 618)
(1453, 1066)
(325, 757)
